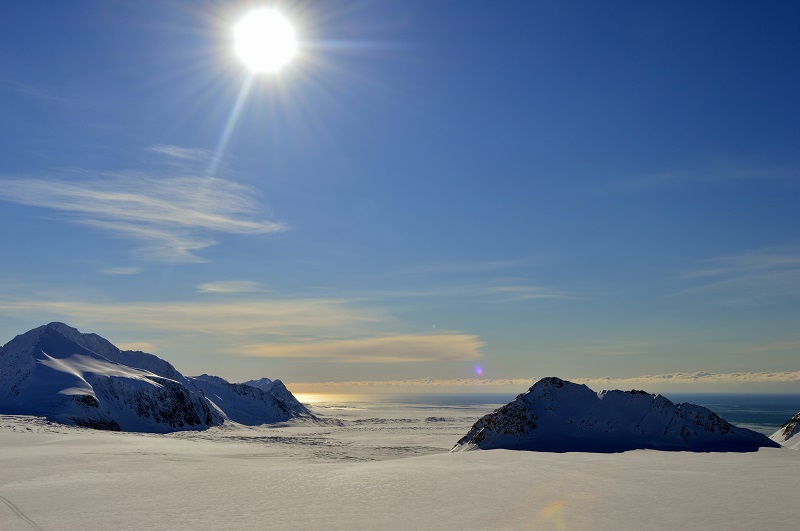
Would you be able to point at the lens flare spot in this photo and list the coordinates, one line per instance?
(554, 512)
(478, 370)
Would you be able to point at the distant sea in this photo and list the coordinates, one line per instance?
(764, 413)
(758, 412)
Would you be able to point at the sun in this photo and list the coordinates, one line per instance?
(265, 40)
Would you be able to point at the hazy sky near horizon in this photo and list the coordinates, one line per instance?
(432, 189)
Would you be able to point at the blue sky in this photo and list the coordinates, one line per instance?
(580, 189)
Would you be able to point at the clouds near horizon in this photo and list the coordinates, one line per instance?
(673, 381)
(330, 330)
(401, 348)
(285, 318)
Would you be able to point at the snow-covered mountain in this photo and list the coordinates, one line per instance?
(59, 373)
(559, 416)
(250, 405)
(789, 434)
(73, 378)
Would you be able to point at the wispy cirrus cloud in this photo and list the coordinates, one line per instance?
(620, 348)
(182, 153)
(172, 217)
(460, 267)
(747, 277)
(714, 174)
(123, 270)
(230, 286)
(30, 90)
(482, 291)
(527, 293)
(777, 346)
(239, 321)
(493, 281)
(401, 348)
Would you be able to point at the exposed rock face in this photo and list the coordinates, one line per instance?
(789, 434)
(59, 373)
(560, 416)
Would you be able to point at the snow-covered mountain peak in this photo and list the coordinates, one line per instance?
(58, 372)
(247, 404)
(70, 333)
(57, 333)
(265, 384)
(561, 416)
(551, 388)
(553, 381)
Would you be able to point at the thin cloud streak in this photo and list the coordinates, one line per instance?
(621, 348)
(748, 277)
(163, 244)
(230, 286)
(30, 90)
(132, 270)
(701, 377)
(598, 384)
(182, 153)
(492, 293)
(391, 349)
(460, 267)
(527, 293)
(291, 319)
(714, 175)
(777, 346)
(174, 216)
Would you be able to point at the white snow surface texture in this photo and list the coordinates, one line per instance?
(384, 466)
(57, 372)
(789, 434)
(560, 416)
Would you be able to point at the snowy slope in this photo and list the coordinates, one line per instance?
(560, 416)
(251, 478)
(789, 434)
(131, 358)
(251, 405)
(57, 372)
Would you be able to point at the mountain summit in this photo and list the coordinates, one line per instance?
(560, 416)
(57, 372)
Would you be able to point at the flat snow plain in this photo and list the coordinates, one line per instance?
(381, 467)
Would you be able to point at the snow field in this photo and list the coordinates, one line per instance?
(377, 470)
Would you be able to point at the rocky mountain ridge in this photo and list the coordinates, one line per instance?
(789, 434)
(560, 416)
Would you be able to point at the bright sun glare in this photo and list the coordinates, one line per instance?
(265, 40)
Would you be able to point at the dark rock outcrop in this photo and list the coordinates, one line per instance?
(559, 416)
